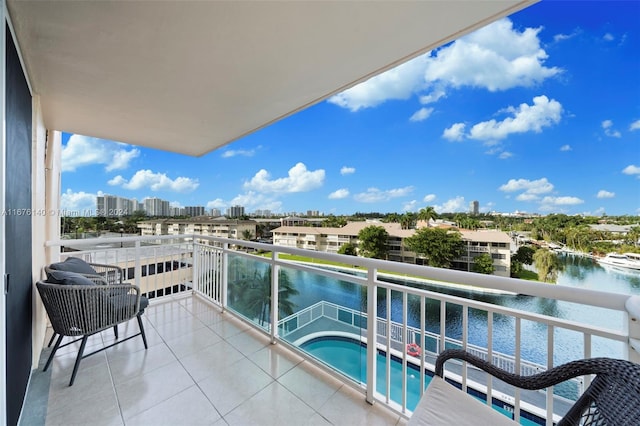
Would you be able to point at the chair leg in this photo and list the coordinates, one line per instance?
(53, 336)
(144, 337)
(115, 330)
(53, 352)
(78, 359)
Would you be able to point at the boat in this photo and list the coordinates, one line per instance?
(621, 260)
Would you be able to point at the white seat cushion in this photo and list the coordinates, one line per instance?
(443, 404)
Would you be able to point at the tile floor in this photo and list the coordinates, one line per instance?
(202, 368)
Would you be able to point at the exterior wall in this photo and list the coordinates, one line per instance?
(45, 178)
(215, 228)
(331, 239)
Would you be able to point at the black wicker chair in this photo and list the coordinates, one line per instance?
(110, 274)
(612, 398)
(82, 307)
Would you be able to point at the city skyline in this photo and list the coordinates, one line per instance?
(538, 112)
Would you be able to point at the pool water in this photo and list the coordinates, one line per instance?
(349, 357)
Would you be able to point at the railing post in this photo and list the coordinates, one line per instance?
(633, 309)
(275, 286)
(137, 269)
(196, 284)
(372, 315)
(225, 275)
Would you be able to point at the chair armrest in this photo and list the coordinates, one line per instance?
(112, 273)
(538, 381)
(76, 310)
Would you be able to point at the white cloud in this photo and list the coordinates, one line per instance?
(398, 83)
(453, 205)
(561, 201)
(635, 125)
(432, 97)
(540, 186)
(81, 151)
(117, 181)
(429, 198)
(562, 37)
(299, 179)
(496, 57)
(455, 132)
(82, 203)
(527, 196)
(373, 195)
(339, 194)
(608, 37)
(631, 170)
(242, 152)
(421, 115)
(526, 118)
(505, 155)
(347, 170)
(605, 194)
(565, 148)
(607, 126)
(218, 203)
(156, 182)
(410, 206)
(252, 201)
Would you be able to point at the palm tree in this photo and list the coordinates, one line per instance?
(427, 213)
(257, 298)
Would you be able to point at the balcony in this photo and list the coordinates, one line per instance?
(202, 325)
(202, 367)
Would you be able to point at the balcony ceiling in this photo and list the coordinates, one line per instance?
(192, 76)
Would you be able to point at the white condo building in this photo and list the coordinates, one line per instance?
(495, 243)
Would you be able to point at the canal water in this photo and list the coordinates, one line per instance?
(578, 272)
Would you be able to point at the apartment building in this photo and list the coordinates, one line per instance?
(496, 243)
(203, 225)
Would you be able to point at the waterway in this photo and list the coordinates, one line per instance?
(578, 272)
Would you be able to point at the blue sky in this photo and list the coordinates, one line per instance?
(538, 112)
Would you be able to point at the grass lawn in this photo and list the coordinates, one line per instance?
(524, 275)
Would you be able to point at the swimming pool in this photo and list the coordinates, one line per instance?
(349, 357)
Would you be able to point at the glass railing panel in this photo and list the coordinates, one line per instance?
(326, 318)
(249, 289)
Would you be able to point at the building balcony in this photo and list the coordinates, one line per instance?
(214, 354)
(202, 367)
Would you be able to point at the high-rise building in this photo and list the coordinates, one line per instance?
(474, 207)
(216, 212)
(114, 206)
(235, 211)
(156, 207)
(194, 211)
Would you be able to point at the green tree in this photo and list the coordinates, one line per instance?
(247, 234)
(427, 213)
(483, 264)
(524, 255)
(373, 242)
(349, 249)
(438, 246)
(256, 299)
(547, 264)
(332, 221)
(408, 220)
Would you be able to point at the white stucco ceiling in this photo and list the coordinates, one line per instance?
(191, 76)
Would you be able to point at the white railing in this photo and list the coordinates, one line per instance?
(324, 309)
(205, 270)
